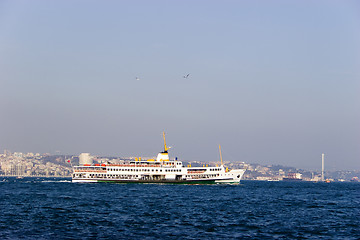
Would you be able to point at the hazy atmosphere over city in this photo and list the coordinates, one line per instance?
(273, 82)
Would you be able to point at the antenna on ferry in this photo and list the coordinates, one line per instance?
(165, 147)
(220, 155)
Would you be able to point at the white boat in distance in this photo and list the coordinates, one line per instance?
(159, 170)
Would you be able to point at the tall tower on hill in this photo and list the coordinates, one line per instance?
(322, 167)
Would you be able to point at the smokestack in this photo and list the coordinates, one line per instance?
(322, 167)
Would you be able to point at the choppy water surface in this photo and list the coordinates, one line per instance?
(58, 209)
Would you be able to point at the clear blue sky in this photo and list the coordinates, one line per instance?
(273, 82)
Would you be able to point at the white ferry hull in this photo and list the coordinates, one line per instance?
(233, 176)
(197, 181)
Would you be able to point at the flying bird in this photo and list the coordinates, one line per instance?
(137, 78)
(186, 76)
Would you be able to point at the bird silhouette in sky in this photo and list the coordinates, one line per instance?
(186, 76)
(137, 78)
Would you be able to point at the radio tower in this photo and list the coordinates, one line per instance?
(322, 167)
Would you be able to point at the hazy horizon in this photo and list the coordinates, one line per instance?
(273, 82)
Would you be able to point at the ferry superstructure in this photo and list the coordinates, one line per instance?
(159, 170)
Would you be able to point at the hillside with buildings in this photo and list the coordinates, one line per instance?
(46, 165)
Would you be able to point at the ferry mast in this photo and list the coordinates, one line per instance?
(220, 155)
(165, 147)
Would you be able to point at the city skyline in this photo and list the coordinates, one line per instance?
(107, 157)
(22, 165)
(273, 82)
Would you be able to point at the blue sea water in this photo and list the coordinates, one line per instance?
(39, 208)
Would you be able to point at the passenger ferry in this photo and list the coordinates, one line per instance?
(159, 170)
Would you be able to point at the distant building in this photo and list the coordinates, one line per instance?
(30, 154)
(18, 154)
(354, 179)
(85, 158)
(293, 177)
